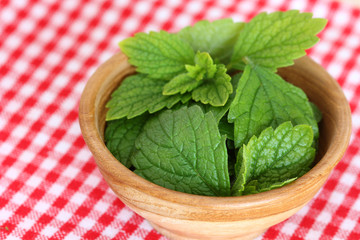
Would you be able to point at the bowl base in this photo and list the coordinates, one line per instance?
(176, 236)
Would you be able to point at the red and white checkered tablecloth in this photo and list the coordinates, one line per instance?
(50, 187)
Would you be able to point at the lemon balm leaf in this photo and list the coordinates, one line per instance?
(316, 112)
(215, 91)
(264, 99)
(275, 158)
(208, 82)
(274, 40)
(182, 83)
(161, 55)
(253, 128)
(184, 151)
(120, 136)
(217, 37)
(138, 94)
(220, 112)
(204, 68)
(226, 128)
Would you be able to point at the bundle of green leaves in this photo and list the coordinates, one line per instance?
(206, 113)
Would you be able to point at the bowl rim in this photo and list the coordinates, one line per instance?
(255, 203)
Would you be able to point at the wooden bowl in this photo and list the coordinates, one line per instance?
(185, 216)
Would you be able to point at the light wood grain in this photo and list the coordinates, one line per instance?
(185, 216)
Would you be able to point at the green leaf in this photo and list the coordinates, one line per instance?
(274, 159)
(316, 112)
(214, 91)
(239, 161)
(220, 113)
(264, 99)
(208, 82)
(184, 151)
(252, 187)
(204, 67)
(274, 40)
(217, 37)
(238, 66)
(161, 55)
(138, 94)
(120, 136)
(226, 128)
(182, 83)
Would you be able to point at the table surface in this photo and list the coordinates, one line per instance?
(50, 187)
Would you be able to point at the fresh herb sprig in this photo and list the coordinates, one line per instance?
(206, 112)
